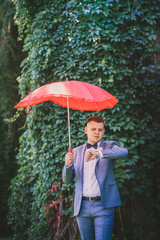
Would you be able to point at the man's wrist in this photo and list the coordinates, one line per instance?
(99, 154)
(67, 165)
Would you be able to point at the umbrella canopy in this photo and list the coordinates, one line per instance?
(76, 95)
(81, 95)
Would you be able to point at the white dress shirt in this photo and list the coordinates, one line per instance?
(90, 183)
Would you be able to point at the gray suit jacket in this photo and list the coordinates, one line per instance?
(103, 170)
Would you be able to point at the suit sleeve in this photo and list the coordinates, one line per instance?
(68, 174)
(115, 152)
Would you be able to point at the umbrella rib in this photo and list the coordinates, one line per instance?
(50, 97)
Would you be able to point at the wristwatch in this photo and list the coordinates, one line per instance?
(97, 154)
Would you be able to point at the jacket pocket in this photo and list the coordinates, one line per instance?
(112, 182)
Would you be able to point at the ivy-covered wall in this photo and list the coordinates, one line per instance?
(114, 45)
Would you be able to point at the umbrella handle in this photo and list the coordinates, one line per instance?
(70, 149)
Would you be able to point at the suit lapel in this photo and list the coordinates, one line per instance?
(102, 144)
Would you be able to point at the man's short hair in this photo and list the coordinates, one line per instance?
(95, 118)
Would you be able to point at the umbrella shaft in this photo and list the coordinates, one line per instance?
(69, 129)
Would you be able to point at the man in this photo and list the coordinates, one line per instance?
(96, 193)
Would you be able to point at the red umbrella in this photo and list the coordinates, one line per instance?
(71, 94)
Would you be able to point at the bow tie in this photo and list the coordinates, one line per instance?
(90, 145)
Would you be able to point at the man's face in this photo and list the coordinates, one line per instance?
(94, 131)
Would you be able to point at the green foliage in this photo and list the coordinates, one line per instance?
(10, 57)
(2, 238)
(115, 45)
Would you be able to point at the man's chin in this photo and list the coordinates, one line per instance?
(97, 140)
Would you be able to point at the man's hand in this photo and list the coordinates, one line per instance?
(69, 158)
(91, 155)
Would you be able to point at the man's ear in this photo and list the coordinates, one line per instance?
(85, 130)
